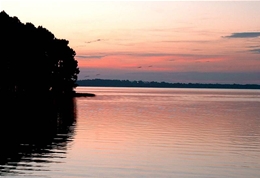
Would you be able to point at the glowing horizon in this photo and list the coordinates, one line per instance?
(126, 37)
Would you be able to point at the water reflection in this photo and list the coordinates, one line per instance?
(34, 131)
(168, 133)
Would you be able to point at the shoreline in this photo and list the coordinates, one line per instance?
(84, 95)
(153, 84)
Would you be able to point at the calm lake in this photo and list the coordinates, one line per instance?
(149, 132)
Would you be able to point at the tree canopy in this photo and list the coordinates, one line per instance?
(32, 58)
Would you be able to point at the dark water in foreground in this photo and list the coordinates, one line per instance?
(138, 132)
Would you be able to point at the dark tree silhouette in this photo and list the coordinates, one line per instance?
(34, 62)
(33, 58)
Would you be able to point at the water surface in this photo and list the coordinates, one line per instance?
(152, 132)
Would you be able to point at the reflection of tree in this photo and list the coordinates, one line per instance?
(37, 77)
(33, 57)
(34, 130)
(38, 73)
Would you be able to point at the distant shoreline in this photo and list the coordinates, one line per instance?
(127, 83)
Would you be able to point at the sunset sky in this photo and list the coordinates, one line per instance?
(172, 41)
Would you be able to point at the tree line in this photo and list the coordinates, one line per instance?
(127, 83)
(33, 59)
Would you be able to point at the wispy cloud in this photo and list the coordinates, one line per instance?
(135, 54)
(187, 41)
(97, 40)
(149, 54)
(244, 35)
(173, 55)
(254, 46)
(91, 56)
(255, 50)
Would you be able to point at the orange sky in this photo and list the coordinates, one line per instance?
(170, 41)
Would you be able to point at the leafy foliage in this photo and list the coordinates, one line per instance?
(32, 57)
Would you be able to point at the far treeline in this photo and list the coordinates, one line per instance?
(127, 83)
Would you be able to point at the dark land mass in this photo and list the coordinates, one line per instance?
(28, 52)
(38, 117)
(127, 83)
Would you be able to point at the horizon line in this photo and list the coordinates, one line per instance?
(172, 82)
